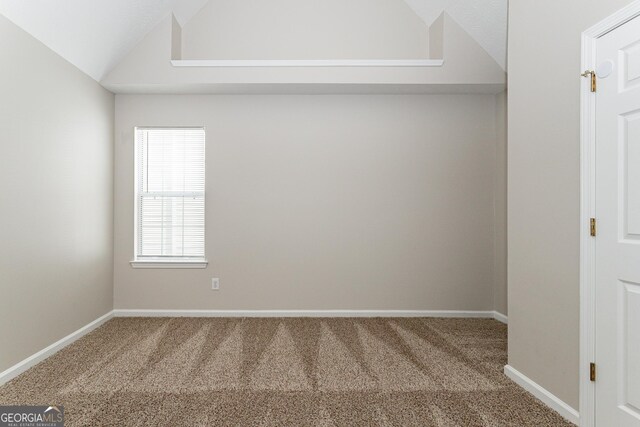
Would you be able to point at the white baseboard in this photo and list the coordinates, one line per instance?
(34, 359)
(500, 317)
(304, 313)
(542, 394)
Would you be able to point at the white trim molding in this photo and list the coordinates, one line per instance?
(306, 63)
(542, 394)
(588, 207)
(502, 318)
(305, 313)
(38, 357)
(154, 263)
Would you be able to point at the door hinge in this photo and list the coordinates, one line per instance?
(592, 371)
(594, 79)
(593, 227)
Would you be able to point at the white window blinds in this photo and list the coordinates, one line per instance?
(170, 169)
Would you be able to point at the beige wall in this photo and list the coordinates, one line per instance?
(325, 202)
(147, 69)
(500, 207)
(544, 192)
(56, 182)
(305, 29)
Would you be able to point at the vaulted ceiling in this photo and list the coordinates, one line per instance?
(96, 35)
(484, 20)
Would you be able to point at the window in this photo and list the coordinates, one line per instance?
(170, 169)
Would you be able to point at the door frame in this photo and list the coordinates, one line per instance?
(588, 208)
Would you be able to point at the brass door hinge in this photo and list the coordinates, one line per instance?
(593, 227)
(594, 79)
(592, 372)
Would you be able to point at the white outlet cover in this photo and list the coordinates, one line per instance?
(215, 284)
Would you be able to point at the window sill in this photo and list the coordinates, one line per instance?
(169, 263)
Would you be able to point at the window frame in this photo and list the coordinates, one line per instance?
(175, 262)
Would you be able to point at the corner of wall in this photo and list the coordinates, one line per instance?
(500, 290)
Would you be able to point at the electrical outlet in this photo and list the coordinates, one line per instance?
(215, 284)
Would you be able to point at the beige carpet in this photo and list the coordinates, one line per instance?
(284, 372)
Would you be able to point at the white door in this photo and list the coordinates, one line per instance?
(618, 235)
